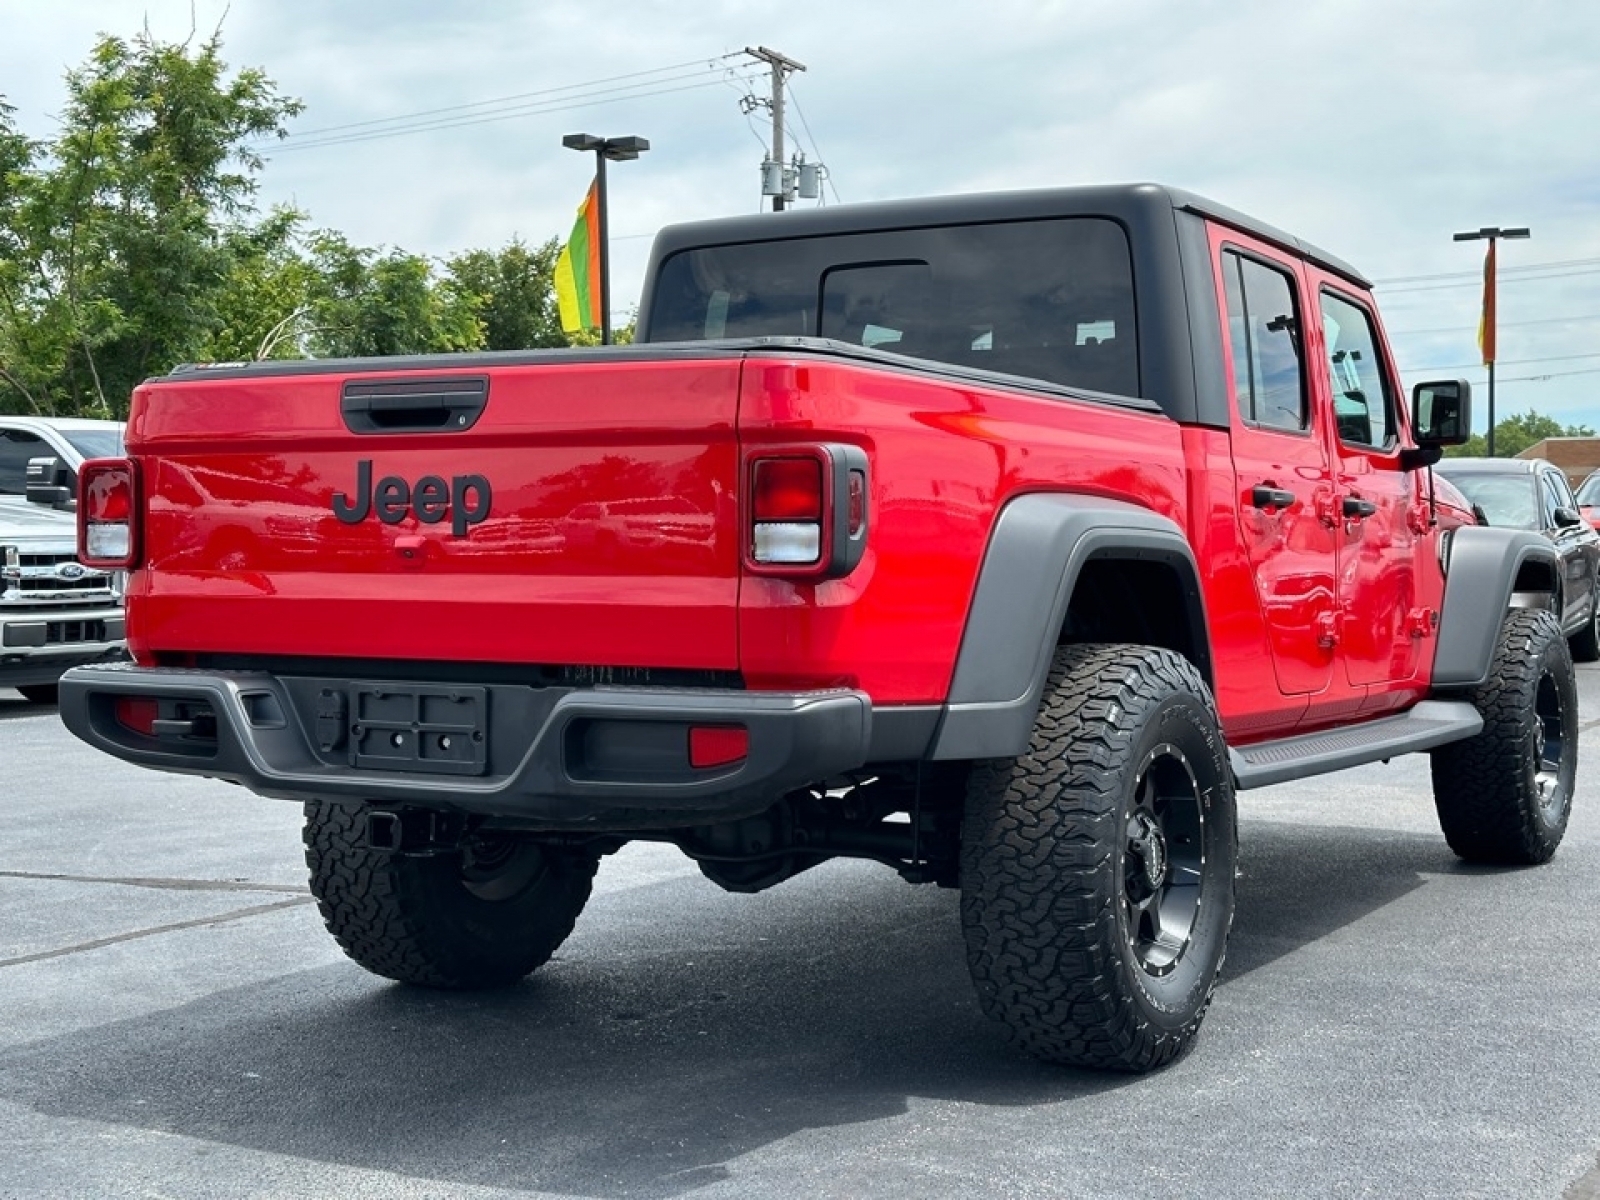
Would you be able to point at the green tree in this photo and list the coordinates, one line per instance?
(1514, 434)
(119, 232)
(513, 291)
(365, 301)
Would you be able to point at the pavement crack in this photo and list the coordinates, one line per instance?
(172, 885)
(237, 914)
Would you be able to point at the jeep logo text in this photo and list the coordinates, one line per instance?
(465, 499)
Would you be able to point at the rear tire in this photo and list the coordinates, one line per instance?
(483, 916)
(1504, 796)
(1097, 870)
(41, 693)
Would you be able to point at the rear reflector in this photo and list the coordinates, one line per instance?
(138, 713)
(718, 745)
(856, 505)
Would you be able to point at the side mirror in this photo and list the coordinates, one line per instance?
(1566, 518)
(49, 483)
(1441, 413)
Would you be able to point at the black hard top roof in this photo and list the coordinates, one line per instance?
(1133, 204)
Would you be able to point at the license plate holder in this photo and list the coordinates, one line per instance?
(434, 729)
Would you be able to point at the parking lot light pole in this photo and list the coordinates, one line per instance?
(1491, 234)
(618, 149)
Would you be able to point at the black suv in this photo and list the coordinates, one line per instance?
(1532, 493)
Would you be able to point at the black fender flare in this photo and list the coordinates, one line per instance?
(1037, 550)
(1482, 568)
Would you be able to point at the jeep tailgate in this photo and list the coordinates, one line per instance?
(586, 516)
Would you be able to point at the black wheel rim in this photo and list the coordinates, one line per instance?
(500, 869)
(1551, 715)
(1163, 860)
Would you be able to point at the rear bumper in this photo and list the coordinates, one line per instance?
(552, 758)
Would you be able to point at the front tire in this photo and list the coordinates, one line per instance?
(1504, 796)
(484, 915)
(1097, 870)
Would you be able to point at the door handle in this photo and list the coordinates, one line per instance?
(1264, 495)
(1356, 509)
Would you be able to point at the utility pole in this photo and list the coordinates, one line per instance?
(781, 67)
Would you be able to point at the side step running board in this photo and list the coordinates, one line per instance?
(1431, 723)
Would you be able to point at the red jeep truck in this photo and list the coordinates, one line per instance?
(999, 539)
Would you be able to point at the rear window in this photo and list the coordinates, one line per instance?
(1050, 300)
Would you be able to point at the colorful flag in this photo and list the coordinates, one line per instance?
(578, 269)
(1486, 321)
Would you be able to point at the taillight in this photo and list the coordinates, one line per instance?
(787, 503)
(108, 505)
(807, 510)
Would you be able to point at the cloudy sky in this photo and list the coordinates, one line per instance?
(1374, 128)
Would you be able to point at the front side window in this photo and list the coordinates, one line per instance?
(16, 448)
(1363, 405)
(1556, 495)
(1264, 329)
(1045, 299)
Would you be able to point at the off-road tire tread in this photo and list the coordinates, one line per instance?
(379, 909)
(1483, 786)
(1037, 889)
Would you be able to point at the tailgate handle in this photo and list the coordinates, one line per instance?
(413, 405)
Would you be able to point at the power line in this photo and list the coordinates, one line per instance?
(1478, 274)
(1508, 362)
(815, 148)
(1501, 276)
(1498, 325)
(1550, 375)
(591, 98)
(516, 98)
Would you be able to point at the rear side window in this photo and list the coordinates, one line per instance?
(1264, 329)
(1049, 299)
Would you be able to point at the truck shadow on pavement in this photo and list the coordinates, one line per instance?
(14, 708)
(680, 1030)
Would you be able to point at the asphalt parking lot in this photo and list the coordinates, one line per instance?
(178, 1024)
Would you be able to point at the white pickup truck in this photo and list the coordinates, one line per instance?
(55, 613)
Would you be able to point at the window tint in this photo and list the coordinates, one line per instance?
(95, 443)
(1363, 406)
(1264, 329)
(1589, 491)
(1563, 489)
(1049, 300)
(16, 448)
(1556, 495)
